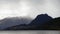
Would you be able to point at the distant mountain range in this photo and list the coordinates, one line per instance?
(41, 22)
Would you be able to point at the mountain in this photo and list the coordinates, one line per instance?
(17, 27)
(53, 24)
(36, 24)
(40, 19)
(13, 21)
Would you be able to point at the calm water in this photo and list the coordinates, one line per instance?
(29, 32)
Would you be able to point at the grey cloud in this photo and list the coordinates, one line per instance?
(52, 7)
(8, 1)
(36, 2)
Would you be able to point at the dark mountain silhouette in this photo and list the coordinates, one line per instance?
(53, 24)
(13, 21)
(37, 24)
(17, 27)
(40, 19)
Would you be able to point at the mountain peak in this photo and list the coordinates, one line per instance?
(40, 19)
(40, 15)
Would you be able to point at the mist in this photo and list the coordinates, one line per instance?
(29, 8)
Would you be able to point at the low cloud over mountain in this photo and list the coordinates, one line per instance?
(13, 21)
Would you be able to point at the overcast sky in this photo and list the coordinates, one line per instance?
(12, 8)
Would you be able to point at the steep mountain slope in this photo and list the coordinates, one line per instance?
(40, 19)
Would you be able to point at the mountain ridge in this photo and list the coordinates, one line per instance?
(33, 26)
